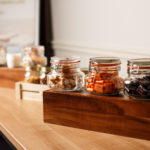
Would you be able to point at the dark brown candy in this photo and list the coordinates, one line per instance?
(139, 87)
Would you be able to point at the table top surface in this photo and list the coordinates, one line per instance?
(24, 120)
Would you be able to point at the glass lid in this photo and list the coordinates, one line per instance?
(139, 66)
(140, 61)
(65, 59)
(34, 48)
(105, 61)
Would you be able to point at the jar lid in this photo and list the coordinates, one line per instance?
(140, 61)
(105, 61)
(38, 47)
(34, 48)
(64, 59)
(139, 66)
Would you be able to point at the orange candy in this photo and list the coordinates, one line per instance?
(103, 83)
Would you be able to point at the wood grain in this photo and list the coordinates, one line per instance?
(8, 77)
(115, 115)
(24, 119)
(11, 138)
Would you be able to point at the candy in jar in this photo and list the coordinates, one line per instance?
(43, 76)
(32, 75)
(65, 74)
(103, 77)
(137, 85)
(33, 55)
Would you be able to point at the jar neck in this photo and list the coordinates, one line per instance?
(108, 69)
(64, 66)
(138, 70)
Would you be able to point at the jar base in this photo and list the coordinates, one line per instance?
(138, 98)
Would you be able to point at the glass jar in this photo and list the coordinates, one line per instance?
(33, 56)
(43, 76)
(2, 55)
(137, 85)
(103, 77)
(65, 74)
(32, 75)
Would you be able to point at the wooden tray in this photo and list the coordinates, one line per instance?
(28, 91)
(8, 77)
(115, 115)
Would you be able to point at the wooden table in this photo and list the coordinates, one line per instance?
(24, 120)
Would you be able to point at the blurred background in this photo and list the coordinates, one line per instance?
(18, 23)
(86, 28)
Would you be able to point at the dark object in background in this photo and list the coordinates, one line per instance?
(5, 144)
(46, 34)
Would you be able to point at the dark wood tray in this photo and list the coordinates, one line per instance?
(8, 77)
(115, 115)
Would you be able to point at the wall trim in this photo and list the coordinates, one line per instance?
(71, 47)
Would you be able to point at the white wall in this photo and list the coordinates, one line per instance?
(17, 10)
(101, 28)
(19, 22)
